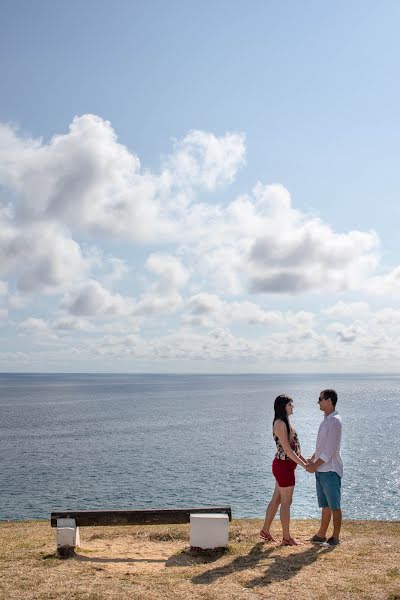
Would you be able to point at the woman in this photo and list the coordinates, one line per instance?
(287, 457)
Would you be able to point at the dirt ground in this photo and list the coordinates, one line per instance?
(156, 563)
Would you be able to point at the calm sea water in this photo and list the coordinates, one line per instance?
(132, 441)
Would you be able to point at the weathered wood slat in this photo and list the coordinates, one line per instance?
(149, 516)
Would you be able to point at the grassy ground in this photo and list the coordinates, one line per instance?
(155, 563)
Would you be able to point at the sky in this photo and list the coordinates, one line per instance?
(199, 186)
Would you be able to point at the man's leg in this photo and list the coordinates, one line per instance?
(333, 493)
(325, 520)
(337, 523)
(326, 513)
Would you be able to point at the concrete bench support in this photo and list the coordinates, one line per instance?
(67, 536)
(208, 531)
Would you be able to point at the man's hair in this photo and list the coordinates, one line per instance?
(330, 394)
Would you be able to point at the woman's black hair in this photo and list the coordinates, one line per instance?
(280, 411)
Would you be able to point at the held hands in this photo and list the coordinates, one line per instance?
(310, 466)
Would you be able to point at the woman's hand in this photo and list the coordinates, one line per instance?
(313, 466)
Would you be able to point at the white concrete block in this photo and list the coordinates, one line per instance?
(209, 530)
(64, 535)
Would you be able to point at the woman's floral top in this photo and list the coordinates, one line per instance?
(294, 444)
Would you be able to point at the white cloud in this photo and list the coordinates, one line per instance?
(224, 265)
(346, 310)
(86, 180)
(347, 334)
(119, 269)
(71, 323)
(208, 309)
(203, 260)
(388, 317)
(89, 181)
(260, 242)
(301, 321)
(34, 326)
(16, 301)
(201, 159)
(92, 299)
(168, 275)
(14, 358)
(69, 178)
(170, 272)
(182, 344)
(8, 300)
(153, 304)
(119, 346)
(218, 344)
(296, 253)
(41, 259)
(205, 309)
(253, 314)
(3, 288)
(384, 285)
(293, 344)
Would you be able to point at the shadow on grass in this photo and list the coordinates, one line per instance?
(96, 559)
(286, 567)
(241, 563)
(281, 567)
(191, 558)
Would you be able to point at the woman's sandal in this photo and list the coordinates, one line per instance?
(290, 542)
(267, 537)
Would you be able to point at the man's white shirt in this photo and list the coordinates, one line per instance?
(328, 444)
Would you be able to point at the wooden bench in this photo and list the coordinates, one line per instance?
(69, 521)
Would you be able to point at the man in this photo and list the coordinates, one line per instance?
(327, 465)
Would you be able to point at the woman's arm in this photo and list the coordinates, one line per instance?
(281, 432)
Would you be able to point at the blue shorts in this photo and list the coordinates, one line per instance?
(328, 489)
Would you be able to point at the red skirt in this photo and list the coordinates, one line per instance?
(283, 471)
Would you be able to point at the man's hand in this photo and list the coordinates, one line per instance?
(313, 466)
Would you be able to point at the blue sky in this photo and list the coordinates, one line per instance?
(199, 186)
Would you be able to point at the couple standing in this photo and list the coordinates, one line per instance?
(326, 463)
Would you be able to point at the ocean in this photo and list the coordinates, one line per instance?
(73, 441)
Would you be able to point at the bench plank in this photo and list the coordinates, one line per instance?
(149, 516)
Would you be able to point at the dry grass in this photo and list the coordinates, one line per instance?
(154, 563)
